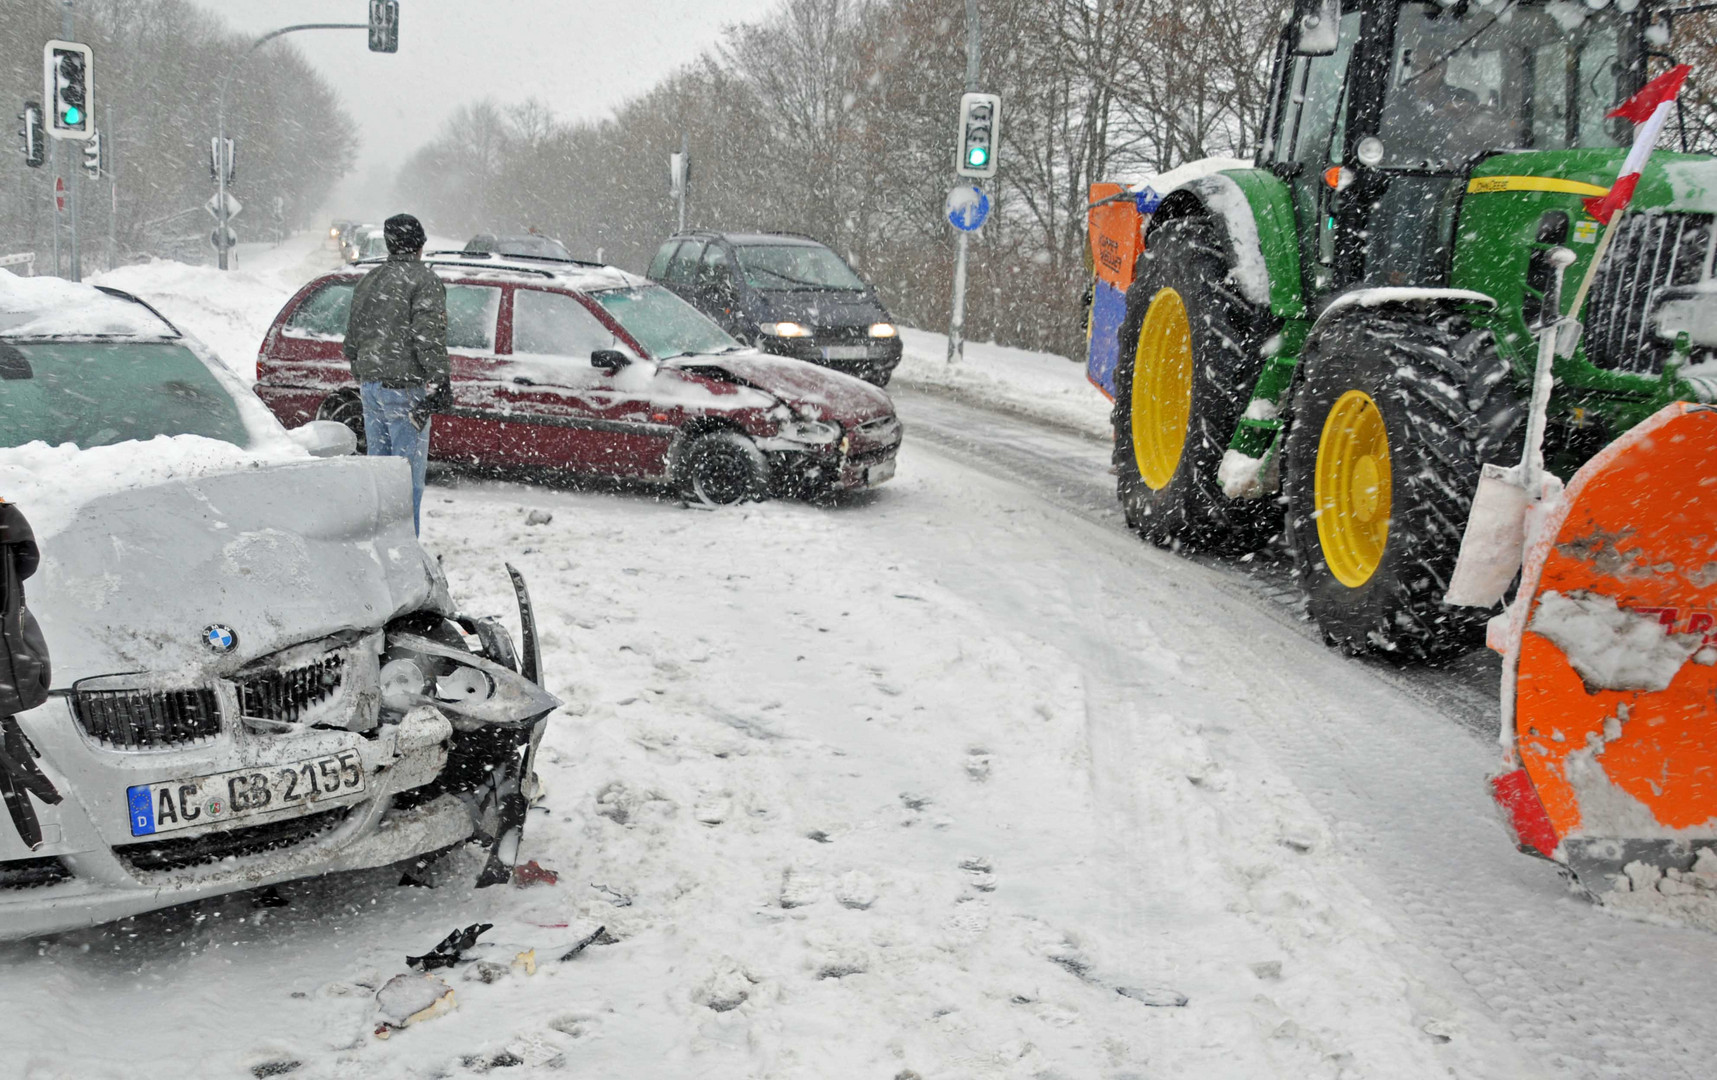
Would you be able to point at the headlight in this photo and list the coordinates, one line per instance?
(785, 329)
(882, 329)
(333, 232)
(810, 432)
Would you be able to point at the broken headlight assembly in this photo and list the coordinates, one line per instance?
(471, 690)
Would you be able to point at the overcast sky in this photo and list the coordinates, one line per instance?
(582, 57)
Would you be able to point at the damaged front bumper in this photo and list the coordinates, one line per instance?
(178, 788)
(861, 458)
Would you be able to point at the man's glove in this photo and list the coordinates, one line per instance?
(438, 397)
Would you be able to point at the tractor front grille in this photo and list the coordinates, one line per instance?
(1649, 253)
(285, 695)
(127, 719)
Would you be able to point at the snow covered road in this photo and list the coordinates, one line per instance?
(956, 780)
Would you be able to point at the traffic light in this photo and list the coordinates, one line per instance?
(66, 84)
(92, 156)
(980, 133)
(384, 26)
(35, 144)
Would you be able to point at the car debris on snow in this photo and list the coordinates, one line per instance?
(408, 999)
(451, 948)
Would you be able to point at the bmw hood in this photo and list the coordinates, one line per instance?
(209, 572)
(826, 394)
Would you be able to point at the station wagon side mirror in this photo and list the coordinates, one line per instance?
(1316, 29)
(610, 360)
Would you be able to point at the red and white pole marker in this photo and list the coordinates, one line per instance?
(1648, 109)
(60, 194)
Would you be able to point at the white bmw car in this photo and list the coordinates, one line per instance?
(257, 672)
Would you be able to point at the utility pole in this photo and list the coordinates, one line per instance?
(957, 321)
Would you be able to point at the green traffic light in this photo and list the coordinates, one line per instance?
(978, 156)
(74, 116)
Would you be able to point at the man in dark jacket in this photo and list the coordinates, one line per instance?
(396, 342)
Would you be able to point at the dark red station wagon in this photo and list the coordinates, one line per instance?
(593, 370)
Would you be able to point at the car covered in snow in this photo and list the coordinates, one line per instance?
(593, 370)
(257, 673)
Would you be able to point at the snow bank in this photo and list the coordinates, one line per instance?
(1612, 649)
(228, 310)
(43, 306)
(1043, 386)
(50, 483)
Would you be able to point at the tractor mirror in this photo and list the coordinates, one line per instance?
(1317, 27)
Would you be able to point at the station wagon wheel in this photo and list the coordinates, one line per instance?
(719, 468)
(347, 409)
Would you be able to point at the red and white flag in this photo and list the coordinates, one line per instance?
(1648, 109)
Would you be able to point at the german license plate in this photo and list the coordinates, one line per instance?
(847, 352)
(876, 474)
(207, 800)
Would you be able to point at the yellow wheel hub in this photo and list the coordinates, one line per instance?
(1351, 488)
(1162, 389)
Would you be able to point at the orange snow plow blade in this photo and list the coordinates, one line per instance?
(1612, 648)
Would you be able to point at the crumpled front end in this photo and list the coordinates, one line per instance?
(233, 704)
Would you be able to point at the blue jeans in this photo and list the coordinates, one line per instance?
(388, 431)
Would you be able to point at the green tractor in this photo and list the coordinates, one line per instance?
(1328, 344)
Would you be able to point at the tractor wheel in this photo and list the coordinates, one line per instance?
(347, 409)
(1393, 417)
(1189, 358)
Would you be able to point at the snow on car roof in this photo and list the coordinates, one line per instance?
(39, 307)
(588, 277)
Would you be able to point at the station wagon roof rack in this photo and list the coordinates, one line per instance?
(435, 258)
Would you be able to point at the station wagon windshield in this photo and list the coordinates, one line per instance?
(663, 323)
(100, 393)
(795, 266)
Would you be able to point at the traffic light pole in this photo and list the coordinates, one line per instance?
(76, 271)
(222, 162)
(957, 320)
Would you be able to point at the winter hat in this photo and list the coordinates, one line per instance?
(403, 233)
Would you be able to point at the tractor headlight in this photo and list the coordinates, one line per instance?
(810, 432)
(882, 329)
(785, 329)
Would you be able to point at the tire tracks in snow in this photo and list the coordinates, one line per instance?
(1582, 991)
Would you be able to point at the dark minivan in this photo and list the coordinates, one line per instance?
(786, 294)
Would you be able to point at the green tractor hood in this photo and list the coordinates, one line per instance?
(1656, 282)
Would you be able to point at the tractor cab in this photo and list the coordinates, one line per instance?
(1381, 110)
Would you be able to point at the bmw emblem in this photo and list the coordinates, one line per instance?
(220, 638)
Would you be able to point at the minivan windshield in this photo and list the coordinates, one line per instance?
(663, 323)
(1468, 79)
(795, 267)
(103, 392)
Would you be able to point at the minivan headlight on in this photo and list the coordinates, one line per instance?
(882, 329)
(785, 329)
(810, 432)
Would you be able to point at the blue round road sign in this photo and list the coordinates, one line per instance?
(967, 207)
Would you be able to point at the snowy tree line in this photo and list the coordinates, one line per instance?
(158, 65)
(836, 118)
